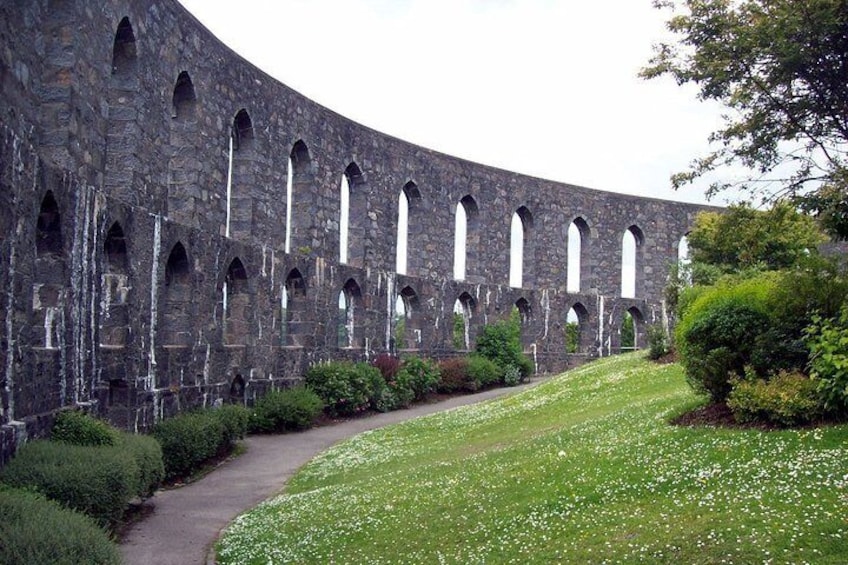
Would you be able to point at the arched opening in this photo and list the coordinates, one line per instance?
(578, 230)
(519, 259)
(630, 243)
(237, 386)
(632, 325)
(239, 204)
(298, 212)
(114, 318)
(294, 324)
(576, 331)
(124, 49)
(409, 201)
(353, 217)
(407, 330)
(402, 233)
(184, 99)
(466, 236)
(463, 312)
(684, 261)
(49, 227)
(176, 307)
(236, 299)
(48, 286)
(523, 313)
(349, 301)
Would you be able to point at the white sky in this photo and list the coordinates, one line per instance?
(541, 87)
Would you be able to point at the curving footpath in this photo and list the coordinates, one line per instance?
(185, 522)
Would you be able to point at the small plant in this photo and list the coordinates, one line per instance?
(422, 376)
(37, 530)
(572, 337)
(828, 343)
(285, 410)
(235, 419)
(77, 428)
(512, 376)
(658, 345)
(501, 342)
(189, 440)
(388, 365)
(484, 371)
(147, 453)
(346, 388)
(96, 480)
(787, 399)
(455, 377)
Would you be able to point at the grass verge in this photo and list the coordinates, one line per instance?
(581, 469)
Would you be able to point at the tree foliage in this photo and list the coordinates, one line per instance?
(781, 68)
(745, 238)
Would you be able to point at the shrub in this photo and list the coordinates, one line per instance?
(388, 365)
(285, 410)
(147, 453)
(512, 376)
(787, 399)
(455, 377)
(484, 371)
(235, 418)
(77, 428)
(37, 530)
(188, 441)
(717, 335)
(657, 342)
(828, 342)
(97, 481)
(420, 375)
(345, 387)
(501, 343)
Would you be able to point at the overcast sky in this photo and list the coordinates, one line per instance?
(541, 87)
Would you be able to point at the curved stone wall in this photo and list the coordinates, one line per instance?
(148, 261)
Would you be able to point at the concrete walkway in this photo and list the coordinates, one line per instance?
(185, 522)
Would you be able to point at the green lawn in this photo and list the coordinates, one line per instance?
(581, 469)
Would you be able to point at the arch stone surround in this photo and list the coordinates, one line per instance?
(112, 153)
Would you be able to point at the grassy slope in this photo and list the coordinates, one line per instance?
(582, 468)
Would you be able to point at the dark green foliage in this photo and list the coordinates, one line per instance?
(345, 388)
(97, 481)
(420, 375)
(780, 68)
(285, 410)
(235, 418)
(658, 345)
(787, 399)
(35, 530)
(501, 342)
(147, 453)
(458, 333)
(828, 341)
(189, 440)
(484, 372)
(628, 332)
(455, 377)
(78, 428)
(572, 337)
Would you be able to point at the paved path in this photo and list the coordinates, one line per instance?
(186, 521)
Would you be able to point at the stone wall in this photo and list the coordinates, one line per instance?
(144, 247)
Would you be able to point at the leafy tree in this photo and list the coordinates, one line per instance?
(745, 238)
(781, 68)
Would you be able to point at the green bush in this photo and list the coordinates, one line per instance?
(717, 336)
(96, 480)
(828, 342)
(285, 410)
(77, 428)
(420, 375)
(147, 453)
(787, 399)
(501, 342)
(512, 376)
(37, 530)
(455, 377)
(345, 388)
(235, 418)
(658, 345)
(189, 440)
(484, 372)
